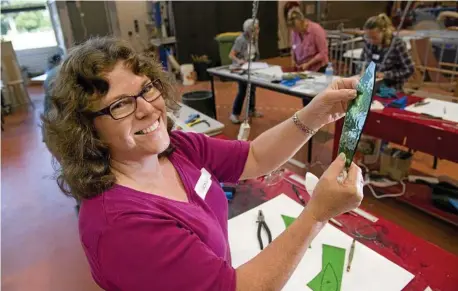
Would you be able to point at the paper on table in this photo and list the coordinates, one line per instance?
(255, 66)
(377, 105)
(438, 108)
(273, 72)
(370, 270)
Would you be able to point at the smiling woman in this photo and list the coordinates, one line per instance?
(83, 84)
(153, 214)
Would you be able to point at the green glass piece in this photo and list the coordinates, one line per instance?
(357, 112)
(287, 220)
(330, 276)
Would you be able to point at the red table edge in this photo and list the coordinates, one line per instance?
(418, 281)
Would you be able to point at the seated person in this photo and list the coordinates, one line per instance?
(309, 48)
(239, 55)
(394, 65)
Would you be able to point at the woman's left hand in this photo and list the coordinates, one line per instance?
(304, 66)
(380, 75)
(331, 104)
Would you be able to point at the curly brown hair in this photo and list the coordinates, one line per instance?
(82, 160)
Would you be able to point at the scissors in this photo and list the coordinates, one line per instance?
(262, 224)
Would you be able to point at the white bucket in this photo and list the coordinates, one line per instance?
(187, 74)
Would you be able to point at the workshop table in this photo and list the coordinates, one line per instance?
(225, 73)
(417, 132)
(431, 265)
(210, 127)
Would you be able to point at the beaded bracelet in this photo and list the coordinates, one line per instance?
(302, 126)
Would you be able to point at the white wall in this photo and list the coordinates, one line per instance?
(128, 11)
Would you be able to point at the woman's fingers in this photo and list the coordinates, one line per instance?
(341, 95)
(354, 174)
(345, 83)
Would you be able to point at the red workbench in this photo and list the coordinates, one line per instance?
(436, 137)
(432, 136)
(431, 265)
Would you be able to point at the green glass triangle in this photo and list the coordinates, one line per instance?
(330, 277)
(287, 220)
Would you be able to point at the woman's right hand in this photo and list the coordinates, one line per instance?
(332, 197)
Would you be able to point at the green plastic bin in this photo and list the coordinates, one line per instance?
(225, 43)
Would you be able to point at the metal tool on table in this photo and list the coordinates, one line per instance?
(262, 224)
(194, 119)
(301, 198)
(421, 103)
(298, 194)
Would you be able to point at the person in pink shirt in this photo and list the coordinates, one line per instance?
(153, 215)
(309, 47)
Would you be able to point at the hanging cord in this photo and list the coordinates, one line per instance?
(404, 14)
(248, 89)
(406, 10)
(369, 183)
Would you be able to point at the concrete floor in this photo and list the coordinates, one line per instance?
(40, 245)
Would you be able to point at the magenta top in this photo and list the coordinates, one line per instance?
(139, 241)
(312, 44)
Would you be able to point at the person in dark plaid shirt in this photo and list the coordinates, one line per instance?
(398, 66)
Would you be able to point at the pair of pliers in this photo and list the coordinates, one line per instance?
(194, 119)
(262, 224)
(197, 121)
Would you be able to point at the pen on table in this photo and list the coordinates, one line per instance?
(298, 194)
(421, 103)
(350, 256)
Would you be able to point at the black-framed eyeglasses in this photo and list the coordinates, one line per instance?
(127, 105)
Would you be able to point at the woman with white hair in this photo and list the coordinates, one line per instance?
(240, 55)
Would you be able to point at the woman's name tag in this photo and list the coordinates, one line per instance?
(203, 184)
(375, 57)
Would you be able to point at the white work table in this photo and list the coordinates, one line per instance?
(183, 114)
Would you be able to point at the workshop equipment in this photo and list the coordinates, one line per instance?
(299, 195)
(229, 190)
(350, 256)
(399, 103)
(386, 92)
(225, 43)
(290, 82)
(201, 101)
(262, 224)
(395, 163)
(244, 131)
(194, 119)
